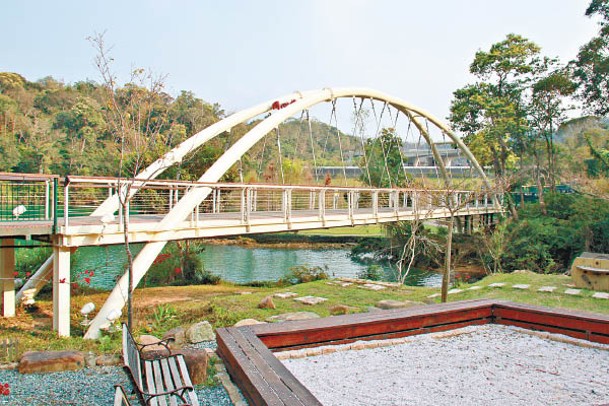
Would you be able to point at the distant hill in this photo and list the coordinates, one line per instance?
(575, 129)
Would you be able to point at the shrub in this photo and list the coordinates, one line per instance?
(304, 274)
(372, 272)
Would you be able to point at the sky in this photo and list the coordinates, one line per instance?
(239, 53)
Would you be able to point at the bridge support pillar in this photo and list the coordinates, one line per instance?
(61, 291)
(7, 277)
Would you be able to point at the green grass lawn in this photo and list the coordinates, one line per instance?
(373, 230)
(225, 304)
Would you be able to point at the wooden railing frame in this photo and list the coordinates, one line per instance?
(247, 351)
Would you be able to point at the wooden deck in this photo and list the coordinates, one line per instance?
(247, 351)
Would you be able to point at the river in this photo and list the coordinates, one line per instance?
(239, 264)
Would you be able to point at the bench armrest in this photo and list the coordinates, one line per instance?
(179, 392)
(120, 396)
(165, 343)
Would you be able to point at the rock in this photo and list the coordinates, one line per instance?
(523, 271)
(51, 361)
(548, 289)
(573, 292)
(244, 293)
(340, 283)
(342, 309)
(179, 337)
(111, 359)
(394, 304)
(601, 295)
(372, 286)
(454, 291)
(310, 300)
(248, 322)
(196, 361)
(521, 286)
(201, 331)
(496, 285)
(292, 317)
(146, 339)
(474, 288)
(285, 295)
(266, 303)
(90, 359)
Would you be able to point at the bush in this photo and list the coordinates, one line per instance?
(372, 272)
(303, 274)
(180, 264)
(599, 239)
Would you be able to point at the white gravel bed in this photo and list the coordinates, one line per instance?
(485, 365)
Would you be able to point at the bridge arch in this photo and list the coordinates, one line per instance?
(194, 197)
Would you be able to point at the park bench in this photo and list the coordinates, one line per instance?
(157, 382)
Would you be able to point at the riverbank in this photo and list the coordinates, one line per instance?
(334, 238)
(160, 309)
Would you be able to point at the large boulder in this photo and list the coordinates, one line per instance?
(196, 361)
(199, 332)
(51, 361)
(179, 337)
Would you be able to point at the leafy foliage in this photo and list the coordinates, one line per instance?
(549, 243)
(303, 274)
(591, 67)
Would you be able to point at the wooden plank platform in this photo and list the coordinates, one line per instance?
(264, 380)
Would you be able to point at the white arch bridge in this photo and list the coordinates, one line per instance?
(83, 211)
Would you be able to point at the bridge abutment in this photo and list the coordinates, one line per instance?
(61, 290)
(7, 277)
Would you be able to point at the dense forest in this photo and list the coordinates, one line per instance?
(54, 128)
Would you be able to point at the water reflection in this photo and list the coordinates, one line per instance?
(241, 264)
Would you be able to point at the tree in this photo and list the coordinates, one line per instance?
(492, 109)
(546, 112)
(136, 122)
(591, 67)
(383, 163)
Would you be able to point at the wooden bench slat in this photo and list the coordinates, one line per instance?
(185, 376)
(273, 380)
(158, 381)
(150, 383)
(169, 380)
(252, 384)
(286, 377)
(166, 378)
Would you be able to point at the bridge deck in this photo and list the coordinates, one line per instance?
(89, 230)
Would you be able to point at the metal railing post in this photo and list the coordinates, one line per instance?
(375, 204)
(243, 204)
(322, 206)
(47, 198)
(54, 205)
(66, 207)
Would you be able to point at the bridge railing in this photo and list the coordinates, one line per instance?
(27, 197)
(155, 198)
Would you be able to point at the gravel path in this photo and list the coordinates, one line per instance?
(90, 386)
(487, 365)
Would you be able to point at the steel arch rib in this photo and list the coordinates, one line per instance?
(110, 205)
(194, 197)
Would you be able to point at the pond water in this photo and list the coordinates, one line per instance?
(239, 264)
